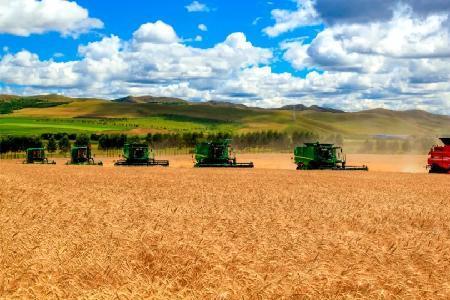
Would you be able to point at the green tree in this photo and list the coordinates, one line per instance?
(133, 139)
(35, 141)
(381, 145)
(82, 140)
(103, 142)
(367, 147)
(64, 144)
(425, 143)
(51, 145)
(394, 146)
(149, 138)
(406, 146)
(339, 139)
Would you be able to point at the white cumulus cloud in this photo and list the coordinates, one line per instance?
(286, 20)
(202, 27)
(158, 33)
(26, 17)
(374, 47)
(196, 6)
(148, 63)
(401, 63)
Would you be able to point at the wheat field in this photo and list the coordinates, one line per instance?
(180, 233)
(275, 161)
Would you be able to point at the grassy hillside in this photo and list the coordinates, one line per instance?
(149, 99)
(142, 115)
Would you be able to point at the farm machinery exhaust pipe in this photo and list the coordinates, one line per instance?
(139, 155)
(217, 154)
(316, 156)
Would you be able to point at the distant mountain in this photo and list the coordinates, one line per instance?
(149, 99)
(164, 114)
(226, 104)
(302, 107)
(11, 103)
(5, 97)
(407, 114)
(43, 98)
(411, 112)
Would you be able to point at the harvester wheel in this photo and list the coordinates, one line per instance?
(436, 170)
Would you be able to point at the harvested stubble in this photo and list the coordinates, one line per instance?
(92, 232)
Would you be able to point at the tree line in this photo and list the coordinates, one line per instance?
(7, 107)
(63, 141)
(407, 145)
(22, 143)
(270, 139)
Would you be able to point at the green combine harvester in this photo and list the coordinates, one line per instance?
(217, 154)
(82, 155)
(139, 155)
(316, 156)
(37, 156)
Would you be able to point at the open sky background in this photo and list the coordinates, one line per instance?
(346, 54)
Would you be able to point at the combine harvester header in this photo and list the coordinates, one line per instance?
(439, 157)
(139, 155)
(218, 154)
(316, 156)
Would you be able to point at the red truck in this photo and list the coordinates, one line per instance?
(439, 158)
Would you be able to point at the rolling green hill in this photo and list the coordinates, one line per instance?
(140, 115)
(149, 99)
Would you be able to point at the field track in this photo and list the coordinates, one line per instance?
(183, 233)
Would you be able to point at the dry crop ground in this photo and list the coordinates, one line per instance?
(376, 162)
(183, 233)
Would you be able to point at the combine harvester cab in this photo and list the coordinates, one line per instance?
(439, 158)
(139, 155)
(82, 155)
(316, 156)
(37, 156)
(217, 155)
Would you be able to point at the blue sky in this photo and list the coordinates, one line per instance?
(123, 18)
(344, 54)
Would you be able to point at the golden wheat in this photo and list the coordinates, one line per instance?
(182, 233)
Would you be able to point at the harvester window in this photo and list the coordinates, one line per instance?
(83, 153)
(217, 152)
(326, 153)
(139, 152)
